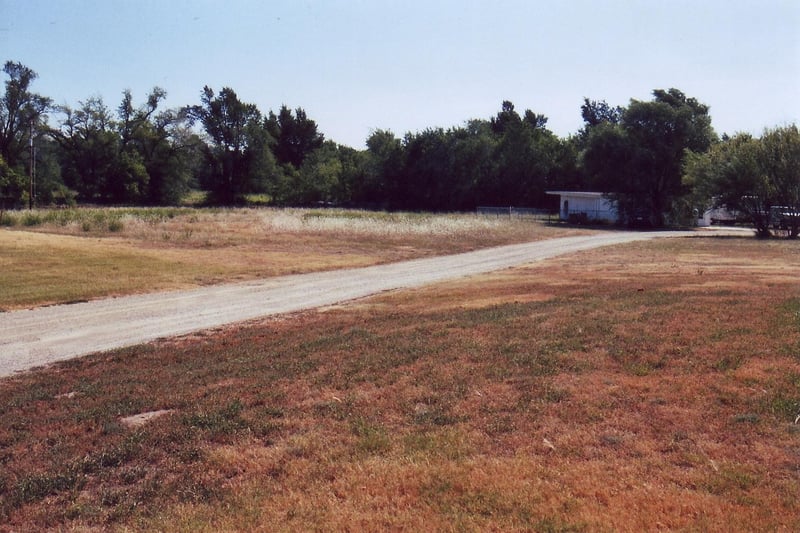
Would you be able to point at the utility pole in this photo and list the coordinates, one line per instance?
(30, 193)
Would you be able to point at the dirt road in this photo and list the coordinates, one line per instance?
(36, 337)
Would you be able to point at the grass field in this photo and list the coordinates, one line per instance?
(651, 386)
(60, 256)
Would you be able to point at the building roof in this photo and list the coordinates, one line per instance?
(579, 194)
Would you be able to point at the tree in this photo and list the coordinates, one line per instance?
(162, 143)
(21, 112)
(638, 161)
(566, 174)
(332, 172)
(172, 153)
(505, 119)
(474, 164)
(524, 158)
(20, 109)
(238, 158)
(780, 163)
(506, 160)
(89, 148)
(49, 187)
(296, 136)
(596, 112)
(353, 174)
(11, 186)
(729, 175)
(319, 179)
(141, 156)
(758, 177)
(534, 120)
(132, 120)
(384, 165)
(428, 182)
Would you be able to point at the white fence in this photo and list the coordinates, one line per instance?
(518, 212)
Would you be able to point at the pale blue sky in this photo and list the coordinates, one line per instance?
(359, 65)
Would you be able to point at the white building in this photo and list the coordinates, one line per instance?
(718, 215)
(586, 206)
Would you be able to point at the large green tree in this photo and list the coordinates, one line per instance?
(473, 164)
(596, 112)
(138, 156)
(89, 147)
(20, 110)
(760, 177)
(238, 157)
(162, 143)
(11, 186)
(326, 177)
(295, 136)
(22, 114)
(524, 160)
(780, 162)
(383, 171)
(49, 187)
(172, 153)
(729, 175)
(506, 160)
(638, 161)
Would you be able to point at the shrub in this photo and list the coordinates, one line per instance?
(115, 225)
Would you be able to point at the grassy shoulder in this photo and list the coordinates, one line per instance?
(648, 386)
(68, 255)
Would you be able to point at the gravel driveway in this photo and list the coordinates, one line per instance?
(31, 338)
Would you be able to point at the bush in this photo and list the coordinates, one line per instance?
(115, 225)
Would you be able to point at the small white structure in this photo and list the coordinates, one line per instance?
(586, 206)
(717, 216)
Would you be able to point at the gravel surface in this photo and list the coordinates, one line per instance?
(36, 337)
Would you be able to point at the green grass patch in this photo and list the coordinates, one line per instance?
(220, 422)
(372, 437)
(782, 404)
(731, 480)
(30, 219)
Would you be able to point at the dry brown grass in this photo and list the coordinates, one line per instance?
(73, 255)
(652, 386)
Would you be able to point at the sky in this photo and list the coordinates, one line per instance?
(356, 66)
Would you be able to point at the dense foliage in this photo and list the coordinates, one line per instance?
(636, 153)
(759, 178)
(658, 159)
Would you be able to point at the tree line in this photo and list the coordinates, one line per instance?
(659, 159)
